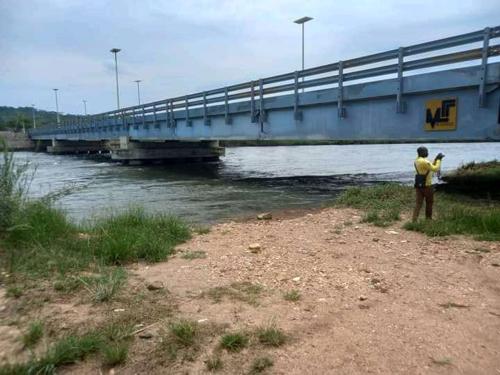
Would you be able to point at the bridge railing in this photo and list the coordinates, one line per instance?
(332, 74)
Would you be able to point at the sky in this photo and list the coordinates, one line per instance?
(180, 47)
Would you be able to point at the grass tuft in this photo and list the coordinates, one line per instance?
(292, 295)
(103, 288)
(271, 336)
(261, 364)
(213, 364)
(114, 353)
(234, 342)
(33, 334)
(184, 332)
(14, 291)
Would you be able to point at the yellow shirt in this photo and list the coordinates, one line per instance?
(423, 166)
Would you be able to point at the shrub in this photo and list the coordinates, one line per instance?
(271, 336)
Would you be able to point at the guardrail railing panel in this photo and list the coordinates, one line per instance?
(256, 91)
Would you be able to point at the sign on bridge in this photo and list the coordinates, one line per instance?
(441, 114)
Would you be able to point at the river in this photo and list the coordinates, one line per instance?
(246, 181)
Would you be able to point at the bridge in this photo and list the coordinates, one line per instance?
(415, 93)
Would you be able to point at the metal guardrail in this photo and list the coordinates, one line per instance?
(292, 82)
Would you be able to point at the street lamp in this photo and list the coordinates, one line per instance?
(302, 21)
(115, 51)
(57, 108)
(34, 119)
(138, 91)
(84, 107)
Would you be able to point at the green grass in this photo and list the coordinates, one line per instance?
(261, 364)
(271, 336)
(383, 203)
(234, 342)
(33, 334)
(110, 342)
(135, 235)
(114, 353)
(102, 288)
(454, 214)
(184, 332)
(190, 255)
(292, 295)
(14, 291)
(476, 178)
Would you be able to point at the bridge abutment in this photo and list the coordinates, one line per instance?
(127, 150)
(76, 147)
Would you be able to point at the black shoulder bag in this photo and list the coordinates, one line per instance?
(420, 178)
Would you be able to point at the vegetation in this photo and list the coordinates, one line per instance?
(475, 178)
(184, 332)
(33, 335)
(213, 364)
(234, 342)
(261, 364)
(190, 255)
(454, 214)
(271, 336)
(103, 287)
(241, 291)
(72, 348)
(292, 295)
(383, 203)
(20, 118)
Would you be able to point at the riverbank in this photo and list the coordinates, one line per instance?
(388, 300)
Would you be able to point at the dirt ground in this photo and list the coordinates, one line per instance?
(372, 300)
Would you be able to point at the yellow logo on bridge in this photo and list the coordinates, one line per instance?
(441, 114)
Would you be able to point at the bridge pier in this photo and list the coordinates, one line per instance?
(126, 150)
(76, 147)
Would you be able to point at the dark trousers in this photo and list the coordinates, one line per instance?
(426, 193)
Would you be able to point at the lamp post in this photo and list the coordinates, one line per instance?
(138, 91)
(115, 52)
(84, 107)
(57, 108)
(34, 118)
(302, 21)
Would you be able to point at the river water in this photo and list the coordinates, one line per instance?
(246, 181)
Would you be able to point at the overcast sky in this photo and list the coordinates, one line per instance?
(177, 47)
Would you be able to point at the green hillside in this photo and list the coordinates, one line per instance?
(13, 118)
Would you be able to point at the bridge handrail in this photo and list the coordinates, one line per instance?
(255, 88)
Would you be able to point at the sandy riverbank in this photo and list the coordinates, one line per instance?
(372, 300)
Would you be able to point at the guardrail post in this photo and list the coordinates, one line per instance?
(340, 94)
(484, 68)
(252, 103)
(400, 105)
(262, 114)
(156, 124)
(144, 119)
(172, 116)
(227, 119)
(206, 120)
(297, 115)
(188, 121)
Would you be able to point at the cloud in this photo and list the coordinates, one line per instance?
(177, 47)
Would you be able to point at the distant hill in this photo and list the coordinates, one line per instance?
(13, 118)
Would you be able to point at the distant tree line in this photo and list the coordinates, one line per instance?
(17, 119)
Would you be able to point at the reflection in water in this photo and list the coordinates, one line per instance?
(246, 181)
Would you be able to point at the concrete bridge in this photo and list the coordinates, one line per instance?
(414, 93)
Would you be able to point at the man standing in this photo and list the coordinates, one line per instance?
(423, 181)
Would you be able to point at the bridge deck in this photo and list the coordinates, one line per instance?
(454, 104)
